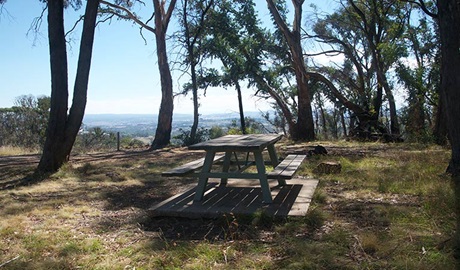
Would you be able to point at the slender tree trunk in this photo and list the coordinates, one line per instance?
(62, 129)
(323, 119)
(80, 92)
(165, 115)
(344, 126)
(449, 20)
(383, 82)
(240, 106)
(196, 105)
(279, 101)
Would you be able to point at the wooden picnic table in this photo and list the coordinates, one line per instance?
(230, 144)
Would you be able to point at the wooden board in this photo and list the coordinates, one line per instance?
(189, 167)
(239, 143)
(240, 197)
(287, 168)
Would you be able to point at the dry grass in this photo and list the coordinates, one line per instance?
(15, 151)
(390, 208)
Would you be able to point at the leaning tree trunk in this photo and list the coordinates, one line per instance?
(165, 115)
(62, 129)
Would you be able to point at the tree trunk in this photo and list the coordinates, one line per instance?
(279, 101)
(305, 127)
(165, 115)
(196, 116)
(342, 120)
(440, 122)
(62, 129)
(449, 20)
(323, 119)
(240, 106)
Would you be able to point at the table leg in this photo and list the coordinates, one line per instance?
(226, 167)
(274, 161)
(203, 180)
(266, 194)
(273, 156)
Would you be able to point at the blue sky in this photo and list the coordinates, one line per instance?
(124, 74)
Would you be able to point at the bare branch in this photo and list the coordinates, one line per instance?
(36, 24)
(75, 25)
(129, 15)
(168, 15)
(328, 53)
(422, 5)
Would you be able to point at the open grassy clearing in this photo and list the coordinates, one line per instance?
(390, 208)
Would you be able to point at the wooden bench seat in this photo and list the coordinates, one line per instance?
(287, 168)
(189, 167)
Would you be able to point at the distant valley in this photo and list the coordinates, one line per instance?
(144, 125)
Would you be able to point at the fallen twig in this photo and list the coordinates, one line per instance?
(7, 262)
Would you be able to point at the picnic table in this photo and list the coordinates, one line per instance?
(230, 145)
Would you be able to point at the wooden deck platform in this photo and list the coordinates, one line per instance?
(240, 197)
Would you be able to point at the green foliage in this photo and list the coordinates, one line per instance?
(216, 132)
(24, 125)
(128, 142)
(185, 139)
(252, 127)
(95, 139)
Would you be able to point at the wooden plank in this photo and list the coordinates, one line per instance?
(189, 167)
(303, 200)
(289, 200)
(287, 168)
(232, 143)
(178, 199)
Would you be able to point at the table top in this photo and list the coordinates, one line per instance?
(250, 142)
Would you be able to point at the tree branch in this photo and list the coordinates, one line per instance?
(75, 25)
(36, 23)
(276, 15)
(167, 16)
(421, 4)
(129, 15)
(334, 52)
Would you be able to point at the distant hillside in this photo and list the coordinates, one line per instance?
(145, 124)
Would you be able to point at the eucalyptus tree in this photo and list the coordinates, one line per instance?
(368, 33)
(420, 76)
(192, 18)
(162, 16)
(382, 23)
(63, 126)
(304, 128)
(233, 36)
(359, 90)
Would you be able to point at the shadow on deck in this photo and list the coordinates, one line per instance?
(240, 197)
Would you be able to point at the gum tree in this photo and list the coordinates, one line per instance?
(304, 129)
(63, 125)
(161, 16)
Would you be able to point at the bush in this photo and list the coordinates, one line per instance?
(184, 139)
(95, 139)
